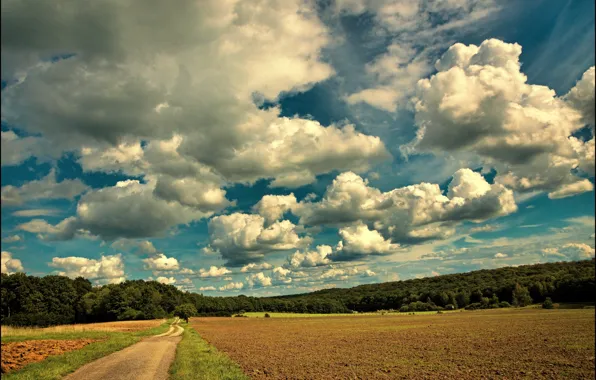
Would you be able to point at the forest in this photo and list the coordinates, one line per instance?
(53, 300)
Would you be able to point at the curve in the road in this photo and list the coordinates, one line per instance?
(149, 359)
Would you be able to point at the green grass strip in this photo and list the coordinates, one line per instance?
(56, 367)
(196, 359)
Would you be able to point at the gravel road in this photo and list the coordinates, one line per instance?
(146, 360)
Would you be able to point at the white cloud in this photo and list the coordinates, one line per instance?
(243, 238)
(45, 188)
(186, 271)
(254, 267)
(130, 210)
(214, 271)
(409, 214)
(258, 280)
(207, 288)
(581, 97)
(315, 258)
(419, 29)
(161, 262)
(273, 207)
(358, 240)
(127, 83)
(479, 103)
(166, 280)
(10, 264)
(570, 251)
(231, 286)
(36, 212)
(369, 273)
(11, 239)
(338, 274)
(281, 275)
(108, 269)
(64, 230)
(500, 255)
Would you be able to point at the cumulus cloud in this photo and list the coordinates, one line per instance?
(231, 286)
(409, 214)
(130, 210)
(479, 102)
(281, 275)
(108, 269)
(358, 240)
(45, 188)
(417, 30)
(166, 280)
(36, 212)
(320, 256)
(243, 238)
(207, 288)
(500, 255)
(273, 207)
(254, 267)
(64, 230)
(571, 251)
(581, 96)
(11, 239)
(338, 274)
(124, 84)
(161, 262)
(10, 264)
(258, 280)
(214, 271)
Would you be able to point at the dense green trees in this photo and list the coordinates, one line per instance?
(185, 311)
(29, 300)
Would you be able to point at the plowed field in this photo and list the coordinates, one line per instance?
(16, 355)
(513, 344)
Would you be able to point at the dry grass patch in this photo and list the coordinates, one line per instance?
(122, 326)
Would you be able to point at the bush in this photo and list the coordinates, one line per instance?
(404, 309)
(449, 307)
(267, 315)
(504, 304)
(474, 306)
(548, 303)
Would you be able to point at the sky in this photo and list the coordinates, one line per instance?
(272, 147)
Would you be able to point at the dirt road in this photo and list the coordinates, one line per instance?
(147, 360)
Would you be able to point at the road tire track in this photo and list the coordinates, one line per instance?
(148, 359)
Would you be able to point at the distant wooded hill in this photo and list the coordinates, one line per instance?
(50, 300)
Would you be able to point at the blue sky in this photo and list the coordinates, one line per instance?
(285, 149)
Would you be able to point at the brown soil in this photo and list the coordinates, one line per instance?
(511, 344)
(16, 355)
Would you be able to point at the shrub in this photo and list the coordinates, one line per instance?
(504, 304)
(449, 307)
(267, 315)
(474, 306)
(548, 303)
(404, 309)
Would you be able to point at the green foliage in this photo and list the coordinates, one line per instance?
(51, 300)
(185, 311)
(196, 359)
(548, 303)
(521, 296)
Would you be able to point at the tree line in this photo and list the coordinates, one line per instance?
(52, 300)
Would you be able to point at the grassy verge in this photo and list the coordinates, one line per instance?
(55, 367)
(196, 359)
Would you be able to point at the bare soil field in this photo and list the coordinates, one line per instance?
(16, 355)
(513, 344)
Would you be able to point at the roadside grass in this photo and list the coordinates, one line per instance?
(56, 367)
(197, 359)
